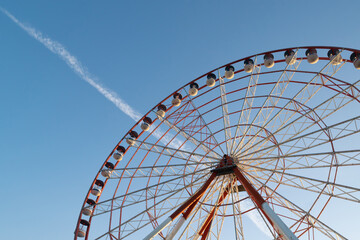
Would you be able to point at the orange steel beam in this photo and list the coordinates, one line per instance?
(205, 229)
(189, 205)
(258, 199)
(279, 226)
(196, 197)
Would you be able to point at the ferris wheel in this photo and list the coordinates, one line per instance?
(265, 147)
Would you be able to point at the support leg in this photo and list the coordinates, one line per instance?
(189, 204)
(279, 226)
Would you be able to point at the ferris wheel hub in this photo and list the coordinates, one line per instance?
(226, 166)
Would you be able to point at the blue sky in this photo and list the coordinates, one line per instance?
(56, 130)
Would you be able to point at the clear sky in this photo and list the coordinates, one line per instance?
(56, 129)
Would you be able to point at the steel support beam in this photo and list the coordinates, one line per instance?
(279, 226)
(188, 204)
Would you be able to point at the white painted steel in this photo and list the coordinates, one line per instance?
(279, 225)
(176, 228)
(158, 229)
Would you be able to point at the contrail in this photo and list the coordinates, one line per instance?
(78, 68)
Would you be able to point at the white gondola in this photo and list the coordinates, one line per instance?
(96, 191)
(211, 80)
(118, 156)
(312, 56)
(335, 56)
(87, 211)
(193, 91)
(145, 126)
(248, 65)
(269, 60)
(229, 72)
(160, 113)
(88, 208)
(290, 57)
(130, 141)
(355, 58)
(176, 100)
(132, 138)
(81, 233)
(106, 173)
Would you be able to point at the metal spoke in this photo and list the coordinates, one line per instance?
(290, 155)
(309, 160)
(173, 152)
(208, 196)
(277, 90)
(155, 171)
(349, 90)
(302, 94)
(225, 112)
(304, 216)
(138, 196)
(329, 100)
(337, 129)
(206, 225)
(203, 120)
(140, 219)
(247, 103)
(192, 139)
(311, 184)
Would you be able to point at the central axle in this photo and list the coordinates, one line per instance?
(226, 166)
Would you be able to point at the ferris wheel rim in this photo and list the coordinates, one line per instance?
(183, 87)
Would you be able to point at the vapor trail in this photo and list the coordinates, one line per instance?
(78, 68)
